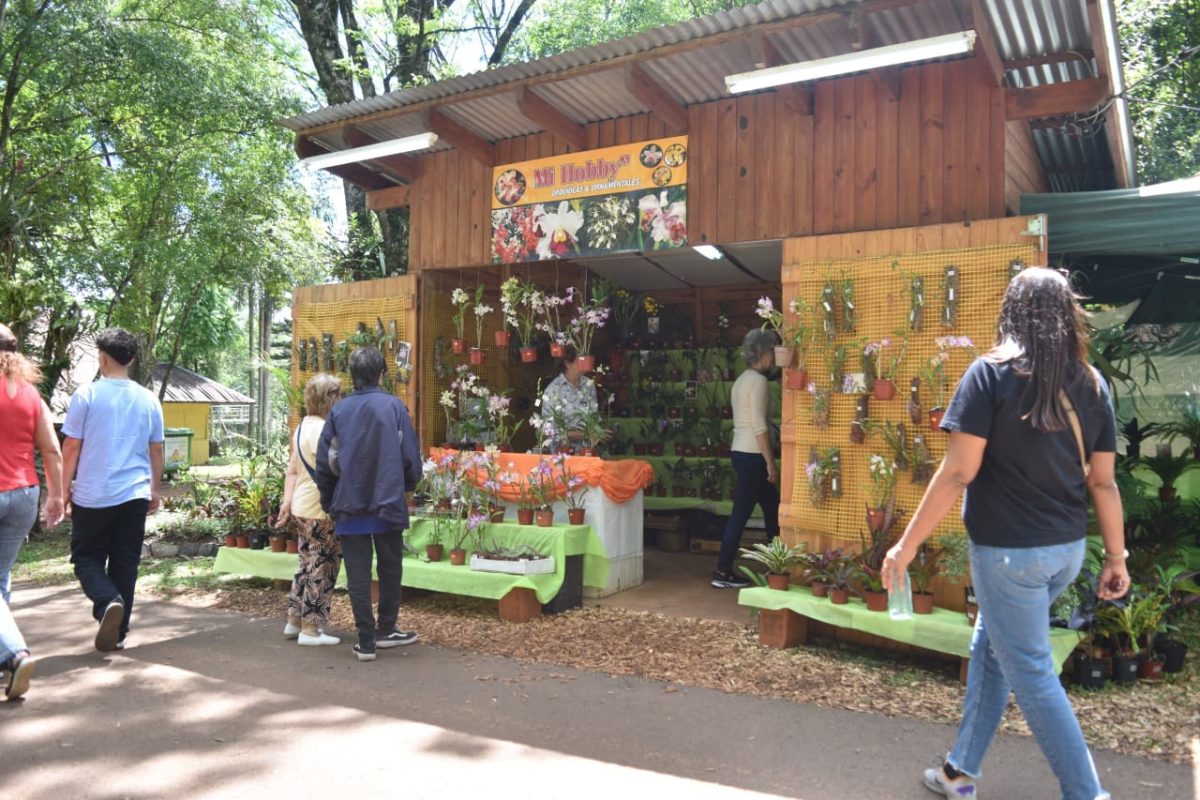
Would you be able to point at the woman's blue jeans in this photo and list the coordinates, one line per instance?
(1010, 651)
(18, 510)
(752, 488)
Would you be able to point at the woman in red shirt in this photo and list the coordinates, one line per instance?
(24, 424)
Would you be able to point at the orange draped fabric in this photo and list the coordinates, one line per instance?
(619, 480)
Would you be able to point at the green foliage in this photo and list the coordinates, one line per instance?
(1160, 48)
(776, 556)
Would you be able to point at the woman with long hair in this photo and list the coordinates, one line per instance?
(25, 424)
(320, 549)
(1031, 435)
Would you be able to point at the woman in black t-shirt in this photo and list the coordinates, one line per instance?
(1013, 446)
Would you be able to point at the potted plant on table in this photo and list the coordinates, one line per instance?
(777, 557)
(456, 525)
(956, 566)
(818, 568)
(461, 301)
(575, 489)
(843, 572)
(544, 489)
(923, 569)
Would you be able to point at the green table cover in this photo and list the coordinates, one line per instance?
(722, 508)
(944, 631)
(559, 541)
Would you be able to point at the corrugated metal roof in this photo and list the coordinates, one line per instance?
(189, 387)
(486, 101)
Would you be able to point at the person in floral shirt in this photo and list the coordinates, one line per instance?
(568, 401)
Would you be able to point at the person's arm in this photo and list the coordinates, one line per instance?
(964, 454)
(156, 472)
(760, 404)
(70, 462)
(410, 448)
(52, 464)
(324, 477)
(1110, 515)
(289, 487)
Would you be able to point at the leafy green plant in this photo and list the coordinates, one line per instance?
(776, 556)
(1186, 427)
(1168, 469)
(924, 568)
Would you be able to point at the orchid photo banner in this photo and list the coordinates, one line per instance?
(628, 198)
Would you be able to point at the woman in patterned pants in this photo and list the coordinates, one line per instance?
(320, 550)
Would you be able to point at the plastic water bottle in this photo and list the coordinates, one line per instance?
(900, 597)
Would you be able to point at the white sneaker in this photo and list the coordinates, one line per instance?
(961, 787)
(305, 640)
(291, 631)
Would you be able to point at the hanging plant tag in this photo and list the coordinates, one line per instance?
(835, 472)
(950, 297)
(915, 412)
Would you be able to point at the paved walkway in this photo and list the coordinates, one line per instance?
(211, 704)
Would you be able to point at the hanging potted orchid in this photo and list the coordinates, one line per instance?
(883, 486)
(590, 317)
(461, 301)
(552, 323)
(510, 299)
(773, 320)
(935, 373)
(651, 308)
(530, 307)
(886, 365)
(798, 336)
(481, 309)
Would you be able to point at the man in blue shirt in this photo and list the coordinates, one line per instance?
(113, 450)
(367, 457)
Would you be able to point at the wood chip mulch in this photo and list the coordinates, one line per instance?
(1157, 721)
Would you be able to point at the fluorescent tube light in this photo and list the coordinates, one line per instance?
(422, 141)
(711, 252)
(952, 44)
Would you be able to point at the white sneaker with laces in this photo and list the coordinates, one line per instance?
(322, 638)
(961, 787)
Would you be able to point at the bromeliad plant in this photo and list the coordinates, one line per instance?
(776, 556)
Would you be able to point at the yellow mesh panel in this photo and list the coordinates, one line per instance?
(341, 318)
(882, 299)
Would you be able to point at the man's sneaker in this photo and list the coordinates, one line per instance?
(120, 645)
(727, 580)
(110, 627)
(396, 638)
(19, 673)
(291, 631)
(962, 786)
(362, 654)
(320, 638)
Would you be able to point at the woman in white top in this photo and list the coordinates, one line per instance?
(752, 455)
(320, 550)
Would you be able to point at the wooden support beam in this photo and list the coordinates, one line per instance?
(660, 102)
(462, 137)
(862, 30)
(358, 175)
(1056, 99)
(381, 199)
(987, 52)
(400, 167)
(1116, 141)
(539, 111)
(888, 81)
(796, 97)
(1083, 54)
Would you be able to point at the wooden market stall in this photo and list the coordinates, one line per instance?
(872, 177)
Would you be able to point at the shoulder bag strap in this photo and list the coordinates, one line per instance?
(1073, 418)
(312, 473)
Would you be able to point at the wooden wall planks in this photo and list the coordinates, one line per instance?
(940, 152)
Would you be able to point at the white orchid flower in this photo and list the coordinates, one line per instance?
(560, 232)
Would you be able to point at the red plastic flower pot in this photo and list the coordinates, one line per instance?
(529, 355)
(525, 516)
(433, 552)
(586, 363)
(458, 557)
(575, 515)
(503, 338)
(458, 346)
(544, 518)
(795, 379)
(935, 417)
(478, 357)
(884, 389)
(558, 350)
(778, 581)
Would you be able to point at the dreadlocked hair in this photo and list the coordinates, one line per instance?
(1043, 334)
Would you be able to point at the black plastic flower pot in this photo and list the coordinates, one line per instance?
(1089, 673)
(1174, 653)
(1125, 669)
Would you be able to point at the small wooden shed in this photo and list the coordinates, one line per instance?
(189, 402)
